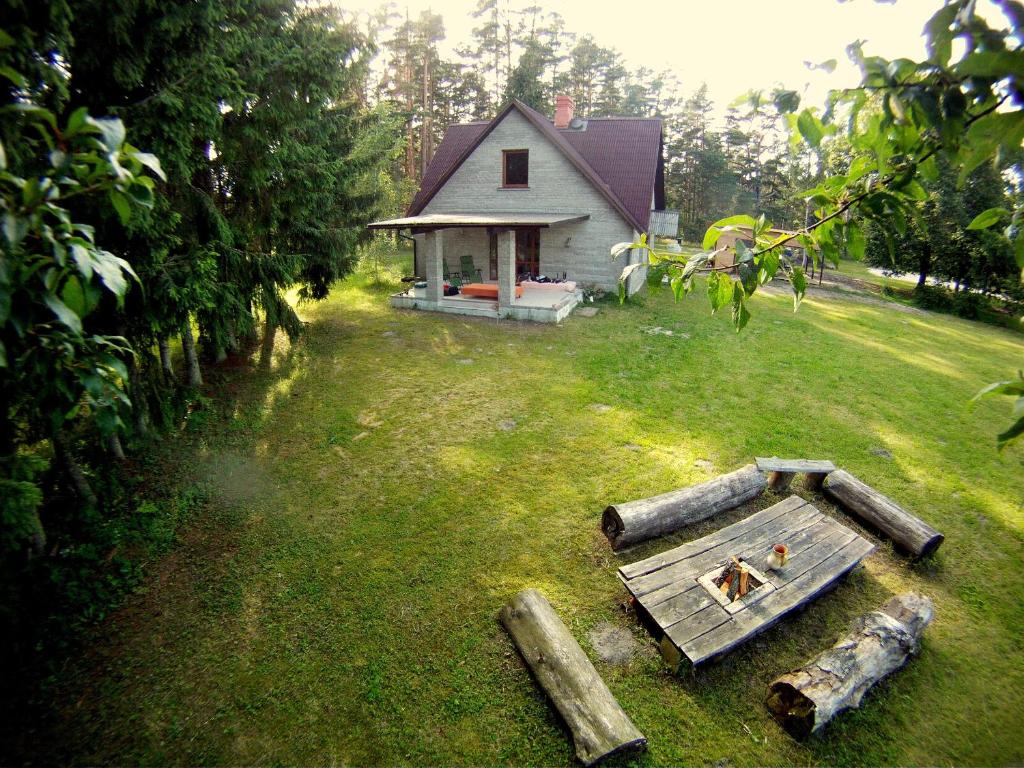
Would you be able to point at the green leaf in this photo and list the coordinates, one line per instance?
(76, 122)
(678, 284)
(988, 218)
(743, 253)
(799, 282)
(3, 355)
(740, 315)
(1018, 249)
(855, 242)
(122, 205)
(860, 166)
(984, 137)
(726, 224)
(111, 131)
(73, 296)
(769, 266)
(63, 312)
(152, 162)
(995, 64)
(720, 290)
(14, 76)
(620, 248)
(1010, 435)
(810, 128)
(786, 101)
(748, 277)
(6, 41)
(1011, 387)
(939, 36)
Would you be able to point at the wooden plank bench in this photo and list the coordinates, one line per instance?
(781, 471)
(692, 625)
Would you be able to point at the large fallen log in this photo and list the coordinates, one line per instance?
(599, 726)
(907, 531)
(635, 521)
(880, 643)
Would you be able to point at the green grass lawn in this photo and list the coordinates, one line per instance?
(337, 602)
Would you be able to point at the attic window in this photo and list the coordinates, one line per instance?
(515, 170)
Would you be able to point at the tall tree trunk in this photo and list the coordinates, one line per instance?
(410, 134)
(924, 265)
(62, 449)
(267, 352)
(140, 404)
(114, 446)
(188, 344)
(426, 139)
(165, 357)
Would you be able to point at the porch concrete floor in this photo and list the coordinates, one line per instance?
(538, 304)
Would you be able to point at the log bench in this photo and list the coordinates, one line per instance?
(692, 626)
(635, 521)
(599, 726)
(910, 533)
(879, 643)
(781, 471)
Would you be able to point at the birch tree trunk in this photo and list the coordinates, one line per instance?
(188, 345)
(62, 448)
(165, 357)
(267, 350)
(115, 447)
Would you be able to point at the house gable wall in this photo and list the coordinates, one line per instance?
(580, 250)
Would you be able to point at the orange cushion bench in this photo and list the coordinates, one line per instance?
(486, 290)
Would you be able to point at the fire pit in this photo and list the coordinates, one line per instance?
(736, 584)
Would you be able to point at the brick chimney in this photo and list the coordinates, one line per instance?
(563, 111)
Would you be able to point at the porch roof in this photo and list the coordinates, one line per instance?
(453, 220)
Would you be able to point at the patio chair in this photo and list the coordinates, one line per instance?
(452, 276)
(469, 269)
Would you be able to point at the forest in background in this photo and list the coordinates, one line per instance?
(528, 54)
(714, 166)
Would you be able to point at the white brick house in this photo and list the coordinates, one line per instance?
(523, 195)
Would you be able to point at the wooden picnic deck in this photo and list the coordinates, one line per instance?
(693, 625)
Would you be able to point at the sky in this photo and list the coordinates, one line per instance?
(732, 45)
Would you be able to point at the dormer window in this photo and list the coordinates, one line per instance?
(515, 168)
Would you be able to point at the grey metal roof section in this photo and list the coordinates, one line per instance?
(453, 220)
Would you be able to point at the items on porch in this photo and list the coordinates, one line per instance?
(469, 271)
(486, 290)
(878, 644)
(550, 285)
(599, 726)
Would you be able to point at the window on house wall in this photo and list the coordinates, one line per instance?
(515, 170)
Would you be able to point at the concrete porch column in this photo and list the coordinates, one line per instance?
(433, 261)
(506, 268)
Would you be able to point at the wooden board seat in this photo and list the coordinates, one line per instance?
(692, 625)
(781, 471)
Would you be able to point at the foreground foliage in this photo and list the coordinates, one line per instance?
(268, 169)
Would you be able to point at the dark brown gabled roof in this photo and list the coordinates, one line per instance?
(621, 157)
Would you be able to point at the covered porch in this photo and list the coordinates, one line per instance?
(502, 249)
